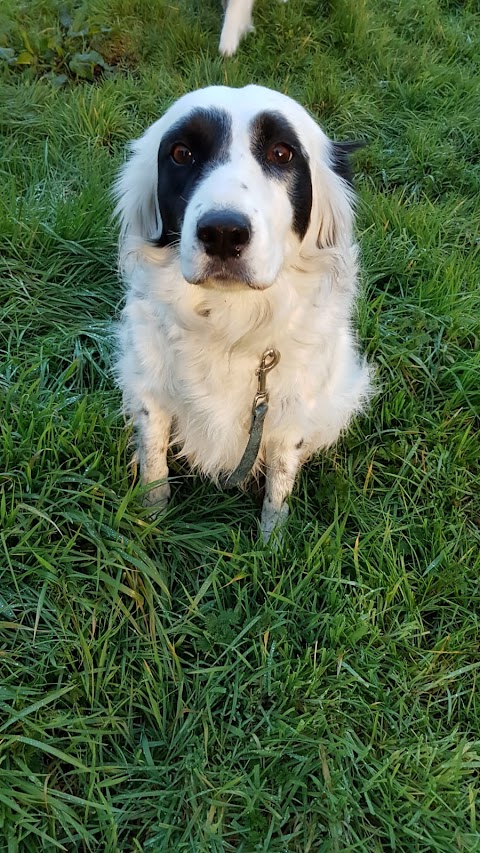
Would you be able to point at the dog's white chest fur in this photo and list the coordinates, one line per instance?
(199, 352)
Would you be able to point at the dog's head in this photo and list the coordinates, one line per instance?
(238, 183)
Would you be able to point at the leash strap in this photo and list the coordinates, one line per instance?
(251, 451)
(270, 359)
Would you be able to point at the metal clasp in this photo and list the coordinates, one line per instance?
(270, 359)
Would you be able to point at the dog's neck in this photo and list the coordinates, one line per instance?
(239, 317)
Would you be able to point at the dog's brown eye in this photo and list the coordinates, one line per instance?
(181, 155)
(280, 154)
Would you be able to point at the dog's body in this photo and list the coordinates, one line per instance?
(237, 236)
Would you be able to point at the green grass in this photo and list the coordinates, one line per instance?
(175, 685)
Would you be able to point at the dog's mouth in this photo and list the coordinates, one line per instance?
(229, 274)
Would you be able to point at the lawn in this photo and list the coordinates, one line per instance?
(175, 685)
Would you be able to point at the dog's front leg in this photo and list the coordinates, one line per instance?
(153, 436)
(237, 22)
(282, 462)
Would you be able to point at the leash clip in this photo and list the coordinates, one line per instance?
(270, 359)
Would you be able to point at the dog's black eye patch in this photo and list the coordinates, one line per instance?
(341, 163)
(206, 134)
(269, 131)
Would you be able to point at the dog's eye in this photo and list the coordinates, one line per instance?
(280, 154)
(181, 155)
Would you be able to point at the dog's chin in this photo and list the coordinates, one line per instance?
(224, 277)
(221, 283)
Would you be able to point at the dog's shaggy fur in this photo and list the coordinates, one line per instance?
(236, 235)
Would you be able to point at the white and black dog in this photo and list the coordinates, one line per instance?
(236, 238)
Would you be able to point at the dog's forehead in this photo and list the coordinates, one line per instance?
(241, 105)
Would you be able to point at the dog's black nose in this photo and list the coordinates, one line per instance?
(224, 233)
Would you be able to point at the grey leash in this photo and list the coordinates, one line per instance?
(270, 359)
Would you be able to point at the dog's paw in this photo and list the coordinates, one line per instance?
(272, 521)
(227, 47)
(157, 498)
(231, 38)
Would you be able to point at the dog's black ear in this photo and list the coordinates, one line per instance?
(341, 153)
(336, 208)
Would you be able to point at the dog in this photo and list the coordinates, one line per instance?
(236, 23)
(237, 247)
